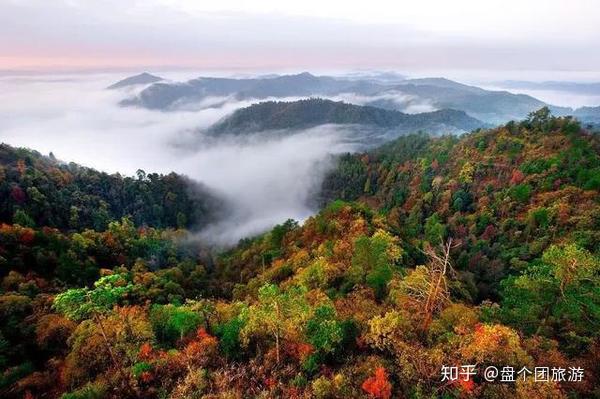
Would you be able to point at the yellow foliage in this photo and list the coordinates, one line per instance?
(394, 251)
(495, 344)
(531, 389)
(457, 318)
(466, 173)
(388, 330)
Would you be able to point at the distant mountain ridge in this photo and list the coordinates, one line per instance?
(574, 87)
(308, 113)
(165, 96)
(588, 114)
(490, 106)
(142, 78)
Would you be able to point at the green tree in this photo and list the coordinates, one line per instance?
(461, 200)
(22, 218)
(229, 336)
(560, 290)
(540, 119)
(520, 192)
(323, 330)
(171, 323)
(373, 261)
(84, 303)
(279, 313)
(435, 231)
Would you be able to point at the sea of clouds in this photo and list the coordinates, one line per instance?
(263, 179)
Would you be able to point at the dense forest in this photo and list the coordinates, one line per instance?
(429, 252)
(302, 114)
(42, 191)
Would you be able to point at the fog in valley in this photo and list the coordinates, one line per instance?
(265, 179)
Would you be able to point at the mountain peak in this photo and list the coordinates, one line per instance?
(139, 79)
(300, 76)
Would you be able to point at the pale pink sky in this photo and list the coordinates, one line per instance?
(269, 34)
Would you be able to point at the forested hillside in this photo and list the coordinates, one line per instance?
(478, 250)
(505, 194)
(488, 105)
(304, 114)
(42, 191)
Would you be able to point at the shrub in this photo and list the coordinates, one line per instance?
(520, 192)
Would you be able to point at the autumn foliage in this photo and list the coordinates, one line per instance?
(378, 385)
(481, 249)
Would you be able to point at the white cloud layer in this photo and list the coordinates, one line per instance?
(265, 179)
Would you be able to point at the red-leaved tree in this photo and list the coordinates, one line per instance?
(378, 385)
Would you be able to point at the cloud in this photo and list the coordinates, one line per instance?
(264, 178)
(79, 121)
(267, 178)
(406, 103)
(564, 98)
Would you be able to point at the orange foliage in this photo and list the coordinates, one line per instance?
(466, 385)
(146, 377)
(145, 351)
(27, 236)
(517, 177)
(270, 382)
(300, 350)
(202, 349)
(378, 386)
(52, 331)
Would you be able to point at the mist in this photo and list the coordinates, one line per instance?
(564, 98)
(402, 102)
(263, 179)
(266, 178)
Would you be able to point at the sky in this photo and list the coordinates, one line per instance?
(274, 35)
